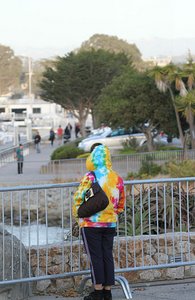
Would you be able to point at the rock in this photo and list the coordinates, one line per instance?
(7, 270)
(42, 285)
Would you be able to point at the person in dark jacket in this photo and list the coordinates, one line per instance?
(51, 136)
(67, 131)
(37, 140)
(98, 231)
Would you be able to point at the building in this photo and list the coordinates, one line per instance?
(160, 61)
(24, 116)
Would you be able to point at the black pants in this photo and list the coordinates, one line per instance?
(20, 167)
(98, 243)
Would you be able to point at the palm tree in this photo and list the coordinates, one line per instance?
(187, 106)
(164, 77)
(186, 102)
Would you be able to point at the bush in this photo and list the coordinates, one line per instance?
(84, 155)
(135, 220)
(130, 144)
(68, 150)
(132, 176)
(149, 168)
(186, 168)
(76, 142)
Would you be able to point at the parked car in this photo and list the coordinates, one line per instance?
(114, 139)
(99, 132)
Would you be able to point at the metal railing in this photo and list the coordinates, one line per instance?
(123, 164)
(7, 155)
(73, 169)
(155, 231)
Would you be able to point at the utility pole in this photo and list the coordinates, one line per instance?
(30, 73)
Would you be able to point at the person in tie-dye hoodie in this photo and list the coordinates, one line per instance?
(98, 231)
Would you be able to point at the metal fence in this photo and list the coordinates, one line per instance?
(7, 155)
(123, 164)
(155, 231)
(73, 169)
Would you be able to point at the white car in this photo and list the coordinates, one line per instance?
(113, 140)
(95, 135)
(101, 132)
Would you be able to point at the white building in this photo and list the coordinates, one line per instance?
(160, 61)
(27, 115)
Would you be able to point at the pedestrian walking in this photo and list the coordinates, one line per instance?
(98, 230)
(51, 136)
(77, 130)
(67, 131)
(37, 140)
(59, 134)
(20, 158)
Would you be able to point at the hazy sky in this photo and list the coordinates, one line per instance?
(27, 25)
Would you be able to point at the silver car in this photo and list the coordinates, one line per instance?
(113, 140)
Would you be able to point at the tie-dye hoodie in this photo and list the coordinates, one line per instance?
(99, 161)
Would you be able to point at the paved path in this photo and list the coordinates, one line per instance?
(31, 169)
(176, 291)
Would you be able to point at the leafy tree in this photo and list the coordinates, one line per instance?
(77, 79)
(133, 100)
(10, 70)
(114, 45)
(38, 68)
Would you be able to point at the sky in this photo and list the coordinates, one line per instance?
(46, 27)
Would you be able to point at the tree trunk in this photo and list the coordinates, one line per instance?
(149, 137)
(190, 120)
(81, 114)
(181, 135)
(82, 121)
(94, 120)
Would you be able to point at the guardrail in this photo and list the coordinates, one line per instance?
(156, 231)
(7, 154)
(123, 164)
(73, 169)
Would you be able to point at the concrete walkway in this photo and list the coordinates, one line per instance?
(185, 291)
(31, 168)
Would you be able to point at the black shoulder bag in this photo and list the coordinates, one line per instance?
(95, 200)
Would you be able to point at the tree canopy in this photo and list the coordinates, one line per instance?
(114, 45)
(77, 79)
(133, 100)
(10, 70)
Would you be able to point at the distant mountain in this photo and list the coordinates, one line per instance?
(177, 48)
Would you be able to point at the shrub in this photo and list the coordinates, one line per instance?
(143, 148)
(149, 168)
(186, 168)
(68, 150)
(132, 176)
(130, 143)
(172, 201)
(84, 155)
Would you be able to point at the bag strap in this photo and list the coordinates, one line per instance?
(93, 173)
